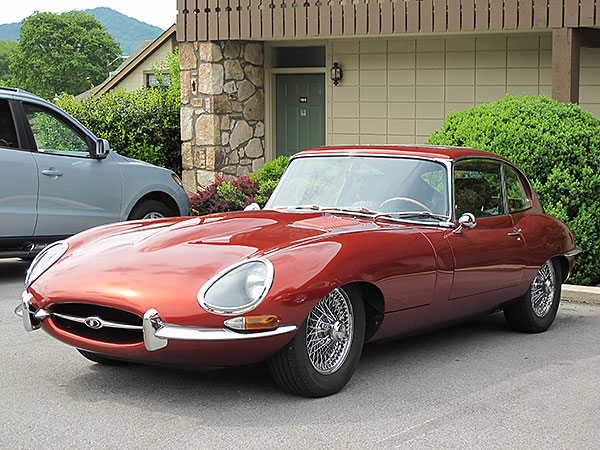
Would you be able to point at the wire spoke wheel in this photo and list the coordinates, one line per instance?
(322, 356)
(329, 332)
(535, 311)
(542, 290)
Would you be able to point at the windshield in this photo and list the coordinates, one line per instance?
(378, 184)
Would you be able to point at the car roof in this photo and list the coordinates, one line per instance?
(423, 151)
(19, 93)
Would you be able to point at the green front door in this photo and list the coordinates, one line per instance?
(300, 122)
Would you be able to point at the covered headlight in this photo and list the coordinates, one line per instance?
(237, 289)
(44, 260)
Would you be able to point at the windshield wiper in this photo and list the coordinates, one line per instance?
(419, 214)
(312, 207)
(350, 209)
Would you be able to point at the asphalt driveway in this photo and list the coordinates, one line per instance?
(477, 385)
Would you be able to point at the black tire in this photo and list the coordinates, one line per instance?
(536, 310)
(295, 371)
(150, 208)
(100, 359)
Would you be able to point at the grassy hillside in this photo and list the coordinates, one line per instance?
(130, 33)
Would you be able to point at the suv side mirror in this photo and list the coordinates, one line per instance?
(466, 220)
(102, 149)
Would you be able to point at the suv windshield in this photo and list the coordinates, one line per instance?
(378, 184)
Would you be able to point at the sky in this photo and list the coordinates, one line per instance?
(161, 13)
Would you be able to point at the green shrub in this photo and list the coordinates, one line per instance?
(237, 193)
(143, 124)
(268, 177)
(557, 145)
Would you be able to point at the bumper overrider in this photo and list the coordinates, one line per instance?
(156, 332)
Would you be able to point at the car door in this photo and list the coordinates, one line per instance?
(487, 258)
(18, 180)
(76, 191)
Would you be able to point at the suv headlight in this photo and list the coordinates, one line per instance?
(238, 289)
(44, 260)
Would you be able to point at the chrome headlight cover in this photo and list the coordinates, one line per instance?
(44, 260)
(237, 289)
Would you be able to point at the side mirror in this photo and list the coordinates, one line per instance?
(252, 207)
(102, 149)
(467, 220)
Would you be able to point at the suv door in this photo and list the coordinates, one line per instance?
(76, 191)
(18, 180)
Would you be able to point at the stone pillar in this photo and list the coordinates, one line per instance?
(223, 110)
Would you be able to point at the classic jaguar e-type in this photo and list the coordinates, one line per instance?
(356, 244)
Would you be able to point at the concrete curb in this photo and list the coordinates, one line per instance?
(580, 294)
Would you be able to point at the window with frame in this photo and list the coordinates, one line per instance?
(478, 188)
(53, 135)
(517, 198)
(154, 80)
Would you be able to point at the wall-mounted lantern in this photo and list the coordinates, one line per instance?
(336, 73)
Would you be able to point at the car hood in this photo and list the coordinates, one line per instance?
(151, 262)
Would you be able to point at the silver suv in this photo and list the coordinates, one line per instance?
(57, 178)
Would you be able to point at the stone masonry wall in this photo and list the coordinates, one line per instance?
(223, 110)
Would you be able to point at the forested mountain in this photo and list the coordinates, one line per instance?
(130, 33)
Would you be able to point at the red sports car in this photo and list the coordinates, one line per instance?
(357, 244)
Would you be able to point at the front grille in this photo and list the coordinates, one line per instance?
(71, 317)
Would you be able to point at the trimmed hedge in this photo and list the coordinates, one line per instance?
(557, 145)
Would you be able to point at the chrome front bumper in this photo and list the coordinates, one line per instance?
(156, 333)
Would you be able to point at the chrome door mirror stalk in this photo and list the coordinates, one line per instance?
(466, 220)
(252, 207)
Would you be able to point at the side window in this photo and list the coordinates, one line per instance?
(478, 188)
(8, 134)
(516, 195)
(53, 135)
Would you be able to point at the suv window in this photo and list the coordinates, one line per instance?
(53, 135)
(478, 188)
(8, 134)
(516, 194)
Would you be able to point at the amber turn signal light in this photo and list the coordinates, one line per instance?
(251, 323)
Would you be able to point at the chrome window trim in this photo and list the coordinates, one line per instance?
(527, 187)
(240, 309)
(491, 158)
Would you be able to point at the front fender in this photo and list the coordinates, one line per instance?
(401, 264)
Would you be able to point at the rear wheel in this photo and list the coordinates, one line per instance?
(322, 357)
(100, 359)
(150, 209)
(536, 310)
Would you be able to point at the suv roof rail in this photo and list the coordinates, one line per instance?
(9, 89)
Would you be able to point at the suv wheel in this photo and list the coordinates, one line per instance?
(150, 209)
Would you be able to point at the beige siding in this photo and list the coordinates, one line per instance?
(589, 80)
(135, 79)
(398, 91)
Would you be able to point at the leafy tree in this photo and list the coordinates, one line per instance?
(6, 47)
(58, 53)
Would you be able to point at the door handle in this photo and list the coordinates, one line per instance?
(52, 172)
(515, 233)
